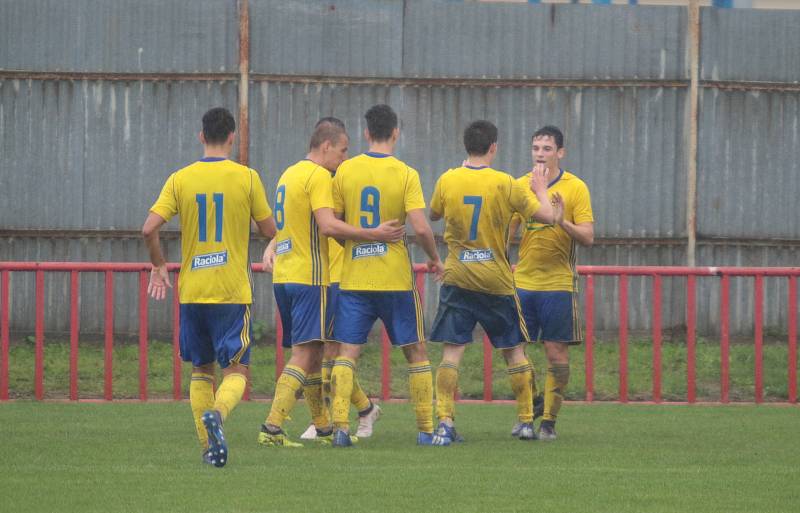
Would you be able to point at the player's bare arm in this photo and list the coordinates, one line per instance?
(268, 259)
(513, 227)
(425, 239)
(159, 277)
(582, 233)
(266, 227)
(434, 215)
(538, 186)
(331, 226)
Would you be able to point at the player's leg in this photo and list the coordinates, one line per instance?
(355, 315)
(530, 309)
(558, 331)
(196, 347)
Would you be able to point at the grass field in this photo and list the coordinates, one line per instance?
(606, 361)
(132, 457)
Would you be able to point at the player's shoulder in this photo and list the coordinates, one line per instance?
(573, 181)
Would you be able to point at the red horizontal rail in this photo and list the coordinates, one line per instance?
(624, 272)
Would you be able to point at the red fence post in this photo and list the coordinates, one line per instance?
(724, 343)
(4, 317)
(143, 331)
(589, 351)
(691, 327)
(278, 345)
(623, 338)
(386, 367)
(657, 338)
(39, 334)
(108, 326)
(758, 306)
(176, 340)
(74, 330)
(487, 368)
(792, 339)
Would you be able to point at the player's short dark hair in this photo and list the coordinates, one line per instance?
(327, 129)
(479, 137)
(381, 121)
(550, 131)
(331, 120)
(218, 124)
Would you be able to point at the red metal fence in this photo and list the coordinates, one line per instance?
(589, 272)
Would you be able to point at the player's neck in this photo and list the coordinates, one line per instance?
(552, 173)
(384, 147)
(479, 161)
(216, 151)
(316, 158)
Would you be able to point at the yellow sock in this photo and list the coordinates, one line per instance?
(420, 384)
(201, 397)
(342, 389)
(534, 391)
(313, 394)
(289, 384)
(446, 385)
(327, 368)
(230, 393)
(359, 398)
(554, 387)
(521, 377)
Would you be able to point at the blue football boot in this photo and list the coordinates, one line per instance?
(217, 447)
(424, 438)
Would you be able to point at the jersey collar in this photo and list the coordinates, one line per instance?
(560, 174)
(212, 159)
(475, 167)
(376, 155)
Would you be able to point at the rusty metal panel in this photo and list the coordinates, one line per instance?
(748, 171)
(94, 154)
(761, 45)
(624, 142)
(124, 36)
(341, 38)
(473, 39)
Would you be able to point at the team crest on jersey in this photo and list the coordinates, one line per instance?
(476, 255)
(210, 260)
(284, 246)
(372, 249)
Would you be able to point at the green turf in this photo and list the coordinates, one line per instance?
(606, 376)
(84, 457)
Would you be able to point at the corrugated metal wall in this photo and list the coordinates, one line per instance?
(94, 116)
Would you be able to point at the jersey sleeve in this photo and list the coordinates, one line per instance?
(259, 207)
(336, 192)
(523, 200)
(582, 206)
(437, 205)
(166, 205)
(319, 189)
(413, 194)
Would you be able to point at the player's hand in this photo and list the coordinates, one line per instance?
(268, 260)
(558, 208)
(159, 282)
(390, 231)
(539, 179)
(437, 268)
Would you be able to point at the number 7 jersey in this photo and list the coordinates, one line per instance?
(477, 204)
(216, 199)
(370, 189)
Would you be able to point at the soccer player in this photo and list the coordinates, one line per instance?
(304, 217)
(546, 276)
(477, 203)
(377, 279)
(216, 199)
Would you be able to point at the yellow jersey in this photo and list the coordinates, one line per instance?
(335, 254)
(547, 256)
(369, 189)
(216, 199)
(302, 250)
(477, 204)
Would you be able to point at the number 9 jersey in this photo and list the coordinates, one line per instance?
(370, 189)
(477, 204)
(216, 199)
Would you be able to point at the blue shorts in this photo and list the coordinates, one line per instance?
(400, 311)
(334, 295)
(218, 332)
(460, 309)
(304, 312)
(551, 316)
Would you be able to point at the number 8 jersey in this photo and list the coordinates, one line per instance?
(477, 204)
(370, 189)
(216, 199)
